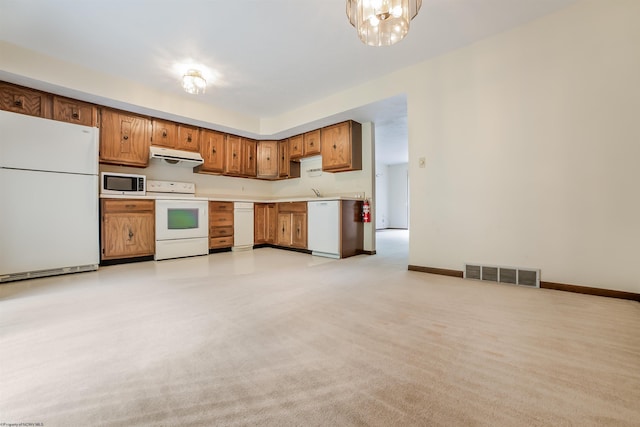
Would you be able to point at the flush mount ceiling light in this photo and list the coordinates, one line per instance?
(382, 22)
(193, 82)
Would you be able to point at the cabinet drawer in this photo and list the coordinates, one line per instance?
(72, 111)
(23, 100)
(220, 242)
(127, 205)
(292, 207)
(221, 219)
(221, 206)
(220, 231)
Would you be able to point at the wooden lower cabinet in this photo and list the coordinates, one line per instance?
(127, 228)
(292, 225)
(220, 225)
(265, 223)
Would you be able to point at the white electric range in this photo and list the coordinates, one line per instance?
(182, 220)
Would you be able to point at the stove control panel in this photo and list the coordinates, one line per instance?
(171, 187)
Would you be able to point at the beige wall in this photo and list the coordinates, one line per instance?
(532, 145)
(531, 139)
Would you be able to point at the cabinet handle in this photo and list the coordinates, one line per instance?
(75, 114)
(129, 206)
(189, 138)
(164, 133)
(130, 234)
(268, 158)
(334, 146)
(125, 137)
(213, 151)
(17, 103)
(311, 144)
(234, 155)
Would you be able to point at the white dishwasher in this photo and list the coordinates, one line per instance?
(324, 228)
(242, 226)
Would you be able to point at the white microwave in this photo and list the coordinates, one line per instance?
(123, 184)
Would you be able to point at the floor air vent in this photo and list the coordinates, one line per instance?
(516, 276)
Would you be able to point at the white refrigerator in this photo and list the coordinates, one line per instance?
(49, 221)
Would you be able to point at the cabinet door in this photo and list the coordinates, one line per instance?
(24, 101)
(299, 230)
(188, 138)
(271, 223)
(233, 148)
(259, 223)
(212, 151)
(124, 139)
(249, 147)
(336, 147)
(283, 159)
(284, 229)
(267, 159)
(72, 111)
(341, 147)
(164, 133)
(128, 235)
(312, 143)
(296, 147)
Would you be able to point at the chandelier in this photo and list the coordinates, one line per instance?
(193, 82)
(382, 22)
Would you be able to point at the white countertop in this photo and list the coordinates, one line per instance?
(231, 198)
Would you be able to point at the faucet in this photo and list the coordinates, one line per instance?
(316, 192)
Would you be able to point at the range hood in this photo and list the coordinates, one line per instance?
(175, 157)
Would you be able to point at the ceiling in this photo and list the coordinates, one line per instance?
(264, 57)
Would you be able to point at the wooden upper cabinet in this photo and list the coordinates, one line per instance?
(164, 133)
(249, 150)
(23, 100)
(212, 150)
(124, 138)
(233, 155)
(341, 146)
(188, 138)
(312, 143)
(77, 112)
(268, 159)
(296, 147)
(283, 159)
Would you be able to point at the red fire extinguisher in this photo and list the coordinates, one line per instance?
(366, 211)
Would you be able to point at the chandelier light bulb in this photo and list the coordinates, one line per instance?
(193, 82)
(382, 22)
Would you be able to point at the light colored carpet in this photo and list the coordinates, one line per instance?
(276, 338)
